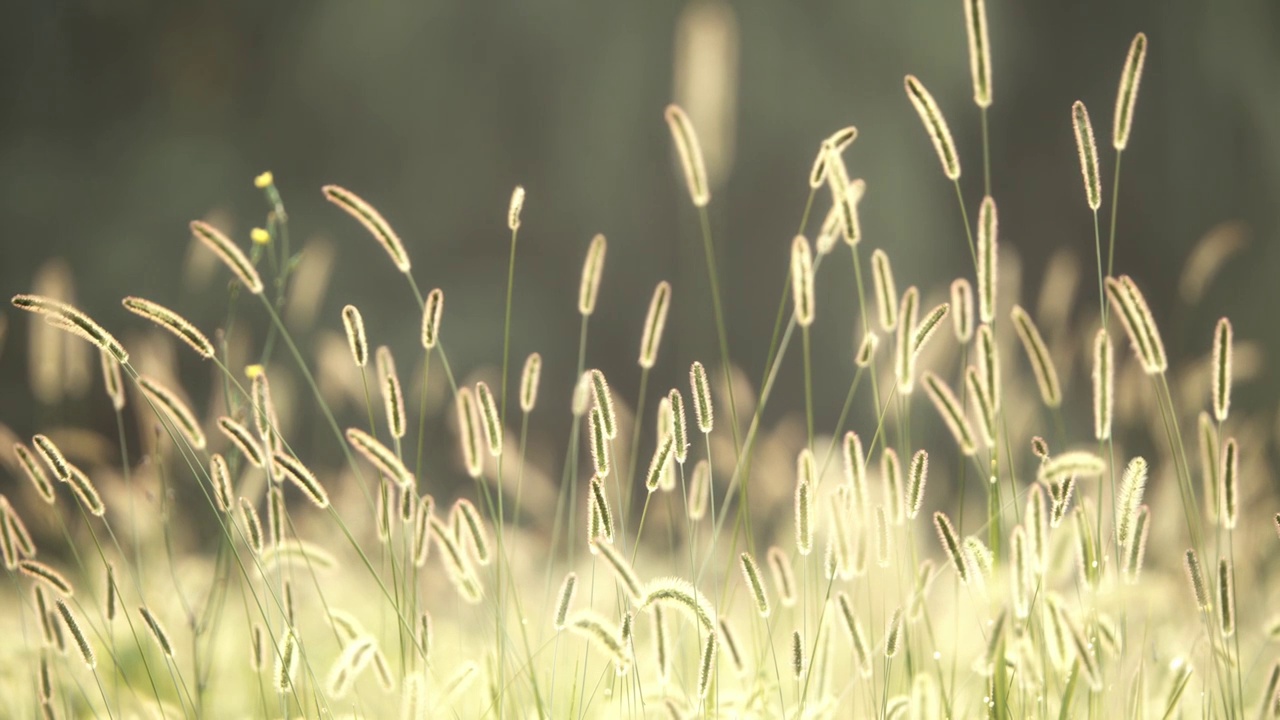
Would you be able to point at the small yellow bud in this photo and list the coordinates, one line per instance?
(259, 236)
(252, 371)
(265, 180)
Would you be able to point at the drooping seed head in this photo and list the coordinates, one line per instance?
(456, 563)
(1088, 151)
(171, 321)
(432, 309)
(303, 478)
(1127, 96)
(353, 324)
(936, 126)
(169, 406)
(952, 412)
(857, 637)
(31, 468)
(592, 269)
(382, 457)
(529, 379)
(467, 518)
(67, 318)
(157, 631)
(845, 196)
(1077, 463)
(681, 594)
(686, 142)
(836, 142)
(654, 323)
(1135, 315)
(230, 255)
(85, 492)
(986, 412)
(47, 575)
(1038, 354)
(372, 221)
(988, 258)
(802, 281)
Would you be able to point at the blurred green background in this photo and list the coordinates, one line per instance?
(125, 119)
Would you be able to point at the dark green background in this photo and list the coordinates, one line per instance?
(122, 120)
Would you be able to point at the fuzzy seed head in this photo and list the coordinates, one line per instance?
(935, 125)
(988, 258)
(885, 289)
(372, 220)
(654, 323)
(802, 280)
(1088, 151)
(962, 309)
(432, 308)
(975, 23)
(230, 255)
(1222, 369)
(1127, 96)
(686, 142)
(592, 270)
(529, 379)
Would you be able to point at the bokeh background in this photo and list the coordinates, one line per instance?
(125, 119)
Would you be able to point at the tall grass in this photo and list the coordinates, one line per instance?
(1084, 586)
